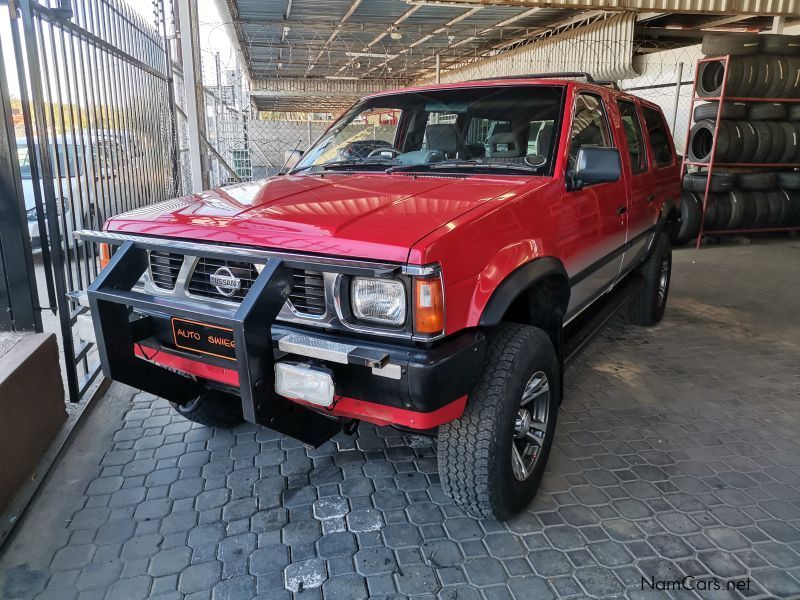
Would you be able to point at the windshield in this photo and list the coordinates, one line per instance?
(507, 128)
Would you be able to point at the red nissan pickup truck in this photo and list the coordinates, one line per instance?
(430, 263)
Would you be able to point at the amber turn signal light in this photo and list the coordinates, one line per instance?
(105, 255)
(428, 306)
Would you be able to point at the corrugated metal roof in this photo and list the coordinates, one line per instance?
(371, 38)
(335, 40)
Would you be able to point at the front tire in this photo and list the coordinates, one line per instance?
(492, 459)
(647, 308)
(213, 409)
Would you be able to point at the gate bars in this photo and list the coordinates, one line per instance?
(18, 296)
(98, 106)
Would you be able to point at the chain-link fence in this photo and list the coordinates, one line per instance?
(241, 144)
(664, 76)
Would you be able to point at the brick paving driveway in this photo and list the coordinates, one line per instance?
(676, 454)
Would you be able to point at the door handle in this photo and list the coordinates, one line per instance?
(621, 210)
(651, 197)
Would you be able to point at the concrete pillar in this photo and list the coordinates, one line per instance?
(195, 98)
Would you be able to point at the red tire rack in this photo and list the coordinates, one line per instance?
(722, 98)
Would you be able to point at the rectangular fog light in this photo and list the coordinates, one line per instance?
(301, 382)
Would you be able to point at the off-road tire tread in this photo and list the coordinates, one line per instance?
(466, 446)
(640, 310)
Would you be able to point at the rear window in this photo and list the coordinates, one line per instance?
(659, 137)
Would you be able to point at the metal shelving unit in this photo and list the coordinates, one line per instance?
(711, 164)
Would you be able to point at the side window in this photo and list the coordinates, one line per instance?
(634, 135)
(659, 138)
(589, 125)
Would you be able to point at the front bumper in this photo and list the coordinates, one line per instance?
(385, 383)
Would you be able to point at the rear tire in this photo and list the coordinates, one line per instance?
(647, 308)
(213, 409)
(476, 467)
(691, 214)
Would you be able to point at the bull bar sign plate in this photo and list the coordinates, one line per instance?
(202, 338)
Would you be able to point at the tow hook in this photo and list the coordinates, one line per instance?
(351, 426)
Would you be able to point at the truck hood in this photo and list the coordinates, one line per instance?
(374, 216)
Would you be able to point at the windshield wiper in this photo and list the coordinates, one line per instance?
(354, 163)
(462, 165)
(343, 164)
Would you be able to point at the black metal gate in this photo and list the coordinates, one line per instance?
(95, 83)
(17, 281)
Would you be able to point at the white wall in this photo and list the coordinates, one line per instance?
(602, 48)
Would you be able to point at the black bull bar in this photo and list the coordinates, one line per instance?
(120, 319)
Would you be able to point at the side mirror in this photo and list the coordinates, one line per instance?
(595, 165)
(290, 159)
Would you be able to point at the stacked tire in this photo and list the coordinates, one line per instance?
(739, 200)
(768, 133)
(761, 67)
(760, 125)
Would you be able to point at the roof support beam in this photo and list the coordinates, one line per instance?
(397, 22)
(195, 98)
(353, 7)
(720, 22)
(789, 8)
(663, 32)
(580, 19)
(443, 29)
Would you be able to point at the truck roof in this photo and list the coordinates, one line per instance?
(567, 80)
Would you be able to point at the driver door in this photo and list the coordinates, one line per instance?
(595, 219)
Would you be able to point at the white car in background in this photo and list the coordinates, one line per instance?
(79, 191)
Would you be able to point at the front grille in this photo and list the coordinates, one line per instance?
(164, 268)
(308, 293)
(200, 284)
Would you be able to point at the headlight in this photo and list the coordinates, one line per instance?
(378, 300)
